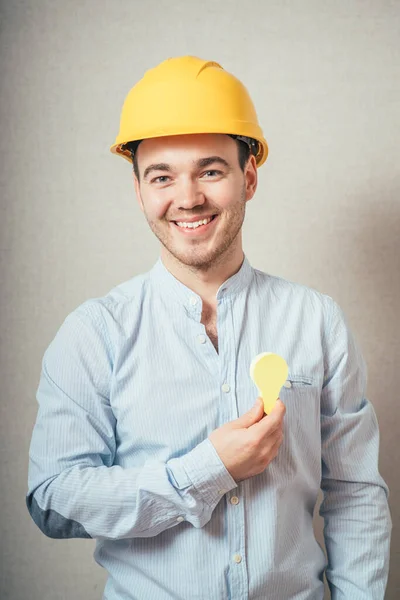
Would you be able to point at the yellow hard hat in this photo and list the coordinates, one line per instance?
(186, 95)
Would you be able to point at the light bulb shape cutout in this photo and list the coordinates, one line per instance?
(269, 372)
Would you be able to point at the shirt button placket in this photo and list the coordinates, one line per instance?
(229, 411)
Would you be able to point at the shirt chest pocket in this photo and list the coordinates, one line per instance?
(300, 395)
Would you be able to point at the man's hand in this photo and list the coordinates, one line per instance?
(247, 445)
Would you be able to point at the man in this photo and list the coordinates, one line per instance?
(149, 436)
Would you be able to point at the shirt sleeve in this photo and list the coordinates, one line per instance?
(74, 487)
(357, 521)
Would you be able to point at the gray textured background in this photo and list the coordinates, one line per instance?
(325, 78)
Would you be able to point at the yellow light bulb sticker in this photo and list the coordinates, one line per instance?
(269, 372)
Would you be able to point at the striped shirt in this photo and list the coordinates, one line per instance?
(130, 388)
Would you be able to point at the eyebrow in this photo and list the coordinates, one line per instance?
(201, 163)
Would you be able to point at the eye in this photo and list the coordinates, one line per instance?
(160, 179)
(212, 172)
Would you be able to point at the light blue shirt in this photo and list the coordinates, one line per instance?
(131, 386)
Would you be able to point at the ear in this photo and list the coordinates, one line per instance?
(251, 177)
(137, 190)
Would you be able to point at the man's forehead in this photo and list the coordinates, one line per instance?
(206, 144)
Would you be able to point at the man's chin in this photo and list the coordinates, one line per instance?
(197, 260)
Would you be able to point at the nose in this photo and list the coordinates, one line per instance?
(189, 195)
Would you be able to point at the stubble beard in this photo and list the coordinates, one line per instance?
(194, 257)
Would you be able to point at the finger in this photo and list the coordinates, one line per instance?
(251, 416)
(276, 445)
(278, 408)
(270, 423)
(276, 440)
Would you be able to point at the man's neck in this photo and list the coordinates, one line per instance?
(205, 283)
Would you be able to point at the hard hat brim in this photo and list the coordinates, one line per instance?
(118, 146)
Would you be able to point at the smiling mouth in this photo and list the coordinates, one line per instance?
(194, 225)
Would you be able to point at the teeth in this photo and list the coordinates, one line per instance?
(193, 225)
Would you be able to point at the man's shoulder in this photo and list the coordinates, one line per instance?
(282, 287)
(124, 298)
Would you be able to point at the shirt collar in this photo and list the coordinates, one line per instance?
(167, 284)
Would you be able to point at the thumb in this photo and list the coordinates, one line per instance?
(251, 416)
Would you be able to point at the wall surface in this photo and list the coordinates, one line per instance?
(325, 78)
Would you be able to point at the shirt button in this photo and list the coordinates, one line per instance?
(193, 300)
(287, 384)
(237, 558)
(201, 339)
(222, 492)
(234, 500)
(226, 388)
(180, 519)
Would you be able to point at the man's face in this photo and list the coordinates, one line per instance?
(187, 179)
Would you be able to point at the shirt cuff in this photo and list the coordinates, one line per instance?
(203, 468)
